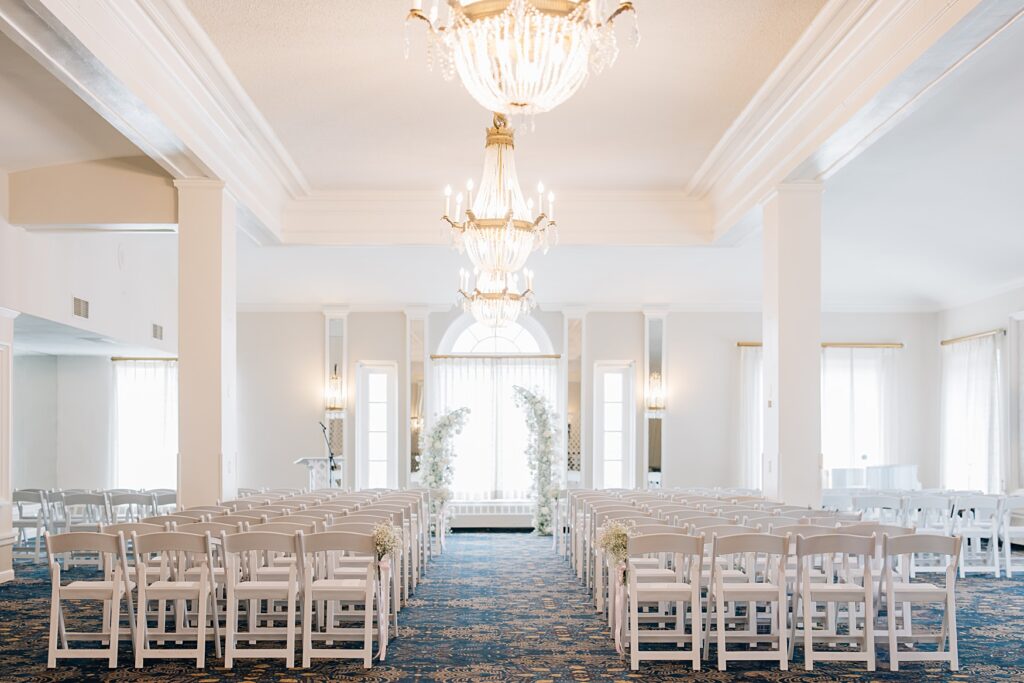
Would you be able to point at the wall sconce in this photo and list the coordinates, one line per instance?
(655, 395)
(335, 393)
(416, 422)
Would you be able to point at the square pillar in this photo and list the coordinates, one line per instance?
(791, 319)
(207, 415)
(6, 425)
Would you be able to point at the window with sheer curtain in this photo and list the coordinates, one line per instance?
(377, 424)
(751, 414)
(490, 461)
(858, 406)
(145, 424)
(971, 424)
(614, 425)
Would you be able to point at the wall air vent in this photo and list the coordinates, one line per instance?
(81, 307)
(158, 331)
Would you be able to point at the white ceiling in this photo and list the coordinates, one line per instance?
(331, 79)
(43, 123)
(928, 218)
(37, 336)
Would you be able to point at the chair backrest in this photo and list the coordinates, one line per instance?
(97, 499)
(657, 528)
(769, 544)
(168, 519)
(644, 544)
(284, 527)
(936, 544)
(714, 520)
(215, 528)
(877, 528)
(131, 499)
(211, 509)
(833, 544)
(354, 527)
(31, 496)
(166, 498)
(268, 541)
(171, 541)
(256, 514)
(805, 529)
(725, 530)
(129, 528)
(340, 541)
(196, 514)
(82, 541)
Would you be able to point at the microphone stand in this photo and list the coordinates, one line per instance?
(331, 466)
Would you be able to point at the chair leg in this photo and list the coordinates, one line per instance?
(307, 628)
(808, 634)
(230, 626)
(869, 630)
(115, 625)
(720, 623)
(290, 630)
(201, 627)
(140, 631)
(954, 656)
(51, 654)
(890, 621)
(368, 629)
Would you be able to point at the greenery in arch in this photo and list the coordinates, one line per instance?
(541, 453)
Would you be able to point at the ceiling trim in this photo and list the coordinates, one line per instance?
(372, 218)
(855, 68)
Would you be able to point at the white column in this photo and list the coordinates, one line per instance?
(791, 318)
(207, 420)
(6, 423)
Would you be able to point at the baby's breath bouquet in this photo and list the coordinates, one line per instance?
(613, 539)
(385, 538)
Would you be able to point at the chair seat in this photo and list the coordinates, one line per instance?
(644, 562)
(668, 591)
(172, 589)
(749, 591)
(917, 591)
(261, 589)
(649, 575)
(92, 590)
(843, 592)
(193, 572)
(340, 589)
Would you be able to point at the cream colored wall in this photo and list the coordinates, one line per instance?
(377, 337)
(34, 455)
(85, 404)
(280, 396)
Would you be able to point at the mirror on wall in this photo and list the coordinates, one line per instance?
(655, 397)
(574, 346)
(417, 349)
(335, 403)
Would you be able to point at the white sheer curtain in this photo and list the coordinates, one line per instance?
(858, 407)
(751, 414)
(490, 462)
(146, 424)
(971, 405)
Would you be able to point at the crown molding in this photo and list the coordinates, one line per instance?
(370, 218)
(859, 69)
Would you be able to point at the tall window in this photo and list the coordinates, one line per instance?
(857, 406)
(752, 414)
(377, 421)
(971, 405)
(146, 424)
(480, 371)
(614, 412)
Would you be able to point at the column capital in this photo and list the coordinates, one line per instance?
(808, 186)
(659, 312)
(335, 312)
(9, 313)
(416, 312)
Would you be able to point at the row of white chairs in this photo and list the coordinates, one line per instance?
(36, 511)
(691, 562)
(285, 559)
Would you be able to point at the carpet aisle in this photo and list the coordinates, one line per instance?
(503, 607)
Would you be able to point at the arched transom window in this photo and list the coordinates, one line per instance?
(510, 339)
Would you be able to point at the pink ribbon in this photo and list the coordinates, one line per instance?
(384, 600)
(620, 606)
(442, 525)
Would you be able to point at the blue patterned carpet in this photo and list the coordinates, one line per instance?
(503, 607)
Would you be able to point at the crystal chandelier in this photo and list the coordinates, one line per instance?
(495, 300)
(497, 229)
(523, 56)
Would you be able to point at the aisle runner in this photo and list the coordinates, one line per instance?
(503, 607)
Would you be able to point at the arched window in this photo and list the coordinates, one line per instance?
(480, 338)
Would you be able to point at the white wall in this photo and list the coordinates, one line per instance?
(280, 396)
(981, 316)
(130, 280)
(34, 458)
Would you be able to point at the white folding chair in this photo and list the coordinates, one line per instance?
(109, 590)
(30, 513)
(976, 520)
(683, 590)
(244, 554)
(176, 552)
(131, 507)
(838, 556)
(898, 588)
(359, 587)
(764, 558)
(1012, 529)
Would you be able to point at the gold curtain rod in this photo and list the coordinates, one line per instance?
(535, 356)
(839, 345)
(969, 337)
(116, 359)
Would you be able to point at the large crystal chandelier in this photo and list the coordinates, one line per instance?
(496, 299)
(523, 56)
(497, 228)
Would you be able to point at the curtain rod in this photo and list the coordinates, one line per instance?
(523, 356)
(839, 345)
(116, 359)
(969, 337)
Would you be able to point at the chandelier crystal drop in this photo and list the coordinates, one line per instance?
(495, 299)
(523, 56)
(495, 226)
